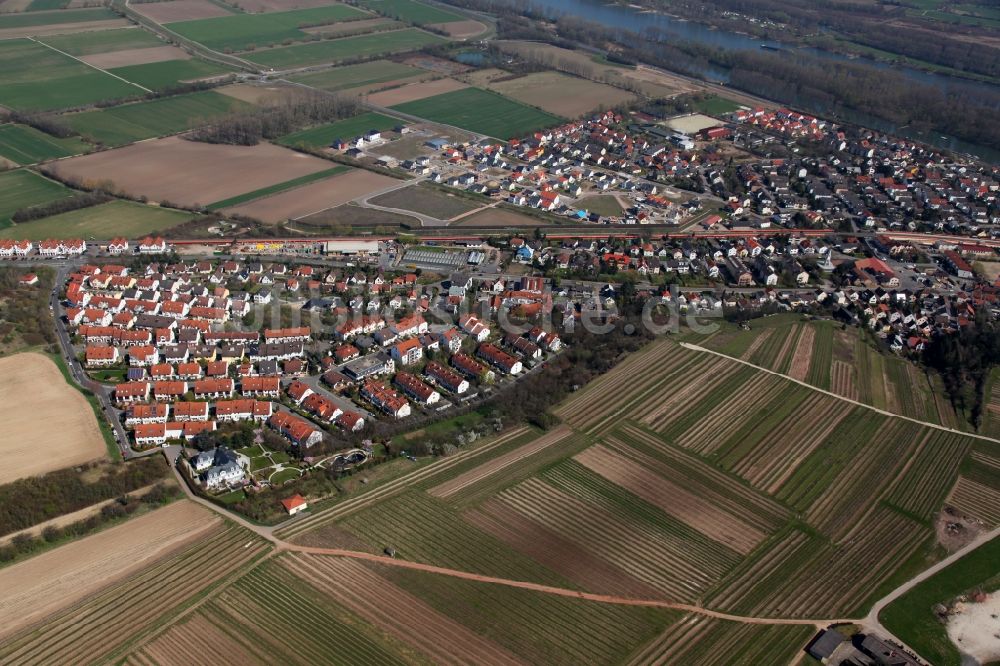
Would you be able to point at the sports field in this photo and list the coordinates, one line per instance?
(323, 136)
(103, 41)
(334, 50)
(411, 11)
(118, 125)
(160, 75)
(356, 76)
(241, 32)
(26, 145)
(110, 220)
(34, 77)
(481, 111)
(24, 189)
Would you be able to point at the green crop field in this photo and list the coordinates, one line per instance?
(160, 75)
(45, 5)
(410, 11)
(278, 187)
(34, 77)
(354, 76)
(115, 218)
(334, 50)
(481, 111)
(242, 31)
(144, 120)
(103, 41)
(34, 19)
(911, 616)
(323, 136)
(24, 189)
(26, 145)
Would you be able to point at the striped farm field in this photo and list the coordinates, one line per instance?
(641, 476)
(271, 610)
(696, 639)
(174, 647)
(499, 464)
(835, 453)
(363, 592)
(842, 380)
(846, 501)
(429, 473)
(767, 455)
(976, 499)
(822, 357)
(26, 145)
(605, 522)
(929, 473)
(538, 628)
(800, 574)
(88, 633)
(424, 529)
(991, 405)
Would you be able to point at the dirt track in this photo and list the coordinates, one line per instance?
(47, 424)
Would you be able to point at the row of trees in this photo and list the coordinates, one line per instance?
(248, 128)
(27, 502)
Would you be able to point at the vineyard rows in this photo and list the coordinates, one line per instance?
(977, 500)
(696, 639)
(921, 489)
(539, 628)
(88, 633)
(355, 587)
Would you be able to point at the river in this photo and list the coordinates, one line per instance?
(637, 20)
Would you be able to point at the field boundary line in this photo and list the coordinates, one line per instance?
(877, 410)
(558, 591)
(103, 71)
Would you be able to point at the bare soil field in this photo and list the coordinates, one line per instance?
(58, 578)
(263, 6)
(314, 197)
(135, 57)
(180, 10)
(189, 172)
(174, 647)
(461, 29)
(499, 217)
(62, 28)
(802, 355)
(34, 397)
(561, 94)
(261, 95)
(975, 629)
(414, 91)
(9, 6)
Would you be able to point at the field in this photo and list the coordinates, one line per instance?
(149, 599)
(103, 41)
(316, 196)
(54, 580)
(34, 77)
(561, 94)
(500, 217)
(410, 11)
(144, 120)
(160, 75)
(26, 145)
(24, 189)
(357, 76)
(278, 187)
(692, 123)
(27, 20)
(34, 395)
(695, 639)
(111, 220)
(911, 616)
(602, 204)
(324, 135)
(412, 92)
(241, 32)
(182, 10)
(425, 200)
(482, 112)
(335, 50)
(189, 172)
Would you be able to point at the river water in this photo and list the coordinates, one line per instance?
(637, 20)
